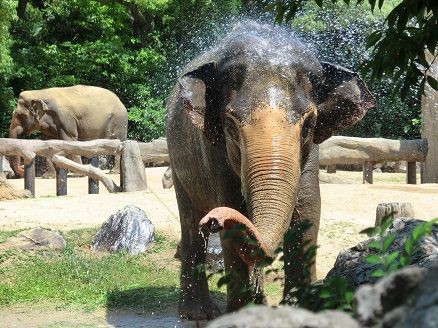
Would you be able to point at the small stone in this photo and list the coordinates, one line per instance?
(40, 239)
(128, 230)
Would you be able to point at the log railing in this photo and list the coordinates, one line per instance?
(132, 175)
(368, 151)
(336, 150)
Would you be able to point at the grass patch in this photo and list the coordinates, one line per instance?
(4, 235)
(78, 277)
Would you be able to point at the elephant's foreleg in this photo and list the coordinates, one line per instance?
(195, 301)
(299, 268)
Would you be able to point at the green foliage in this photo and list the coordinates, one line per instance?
(385, 261)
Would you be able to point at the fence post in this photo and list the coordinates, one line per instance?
(411, 173)
(29, 176)
(331, 168)
(93, 185)
(61, 182)
(368, 172)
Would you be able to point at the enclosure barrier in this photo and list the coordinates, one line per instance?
(336, 150)
(132, 175)
(368, 151)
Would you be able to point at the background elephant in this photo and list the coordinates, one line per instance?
(73, 113)
(242, 124)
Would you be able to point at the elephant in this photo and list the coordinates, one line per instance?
(243, 125)
(78, 112)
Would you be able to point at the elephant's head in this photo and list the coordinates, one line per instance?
(26, 118)
(269, 99)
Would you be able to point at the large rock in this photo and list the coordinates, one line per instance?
(329, 178)
(350, 263)
(406, 298)
(128, 230)
(283, 316)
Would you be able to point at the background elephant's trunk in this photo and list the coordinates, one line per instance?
(271, 166)
(16, 131)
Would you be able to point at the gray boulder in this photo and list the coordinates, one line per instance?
(406, 298)
(128, 230)
(283, 316)
(350, 263)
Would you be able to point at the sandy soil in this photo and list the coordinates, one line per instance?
(346, 209)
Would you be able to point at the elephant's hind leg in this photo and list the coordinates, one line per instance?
(195, 302)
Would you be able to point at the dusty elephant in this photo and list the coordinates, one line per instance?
(242, 125)
(73, 113)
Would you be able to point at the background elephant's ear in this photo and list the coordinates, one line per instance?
(38, 106)
(200, 98)
(343, 99)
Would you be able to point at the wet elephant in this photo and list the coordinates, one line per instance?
(72, 113)
(243, 124)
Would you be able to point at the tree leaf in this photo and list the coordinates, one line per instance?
(388, 242)
(373, 259)
(374, 245)
(370, 231)
(324, 294)
(391, 258)
(432, 82)
(377, 273)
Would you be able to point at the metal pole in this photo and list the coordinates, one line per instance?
(29, 177)
(411, 173)
(368, 172)
(61, 182)
(93, 185)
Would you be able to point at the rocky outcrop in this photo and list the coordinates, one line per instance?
(406, 298)
(283, 316)
(129, 230)
(9, 192)
(351, 265)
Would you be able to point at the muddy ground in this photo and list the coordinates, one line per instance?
(346, 209)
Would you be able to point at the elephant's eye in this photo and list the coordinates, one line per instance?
(308, 125)
(231, 128)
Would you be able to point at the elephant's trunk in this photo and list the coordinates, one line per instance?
(271, 166)
(16, 131)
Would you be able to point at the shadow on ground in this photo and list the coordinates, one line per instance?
(148, 307)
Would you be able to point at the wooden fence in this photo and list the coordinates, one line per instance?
(336, 150)
(369, 151)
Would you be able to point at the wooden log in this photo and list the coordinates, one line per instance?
(94, 172)
(61, 182)
(29, 176)
(47, 148)
(368, 172)
(350, 150)
(93, 185)
(154, 151)
(132, 167)
(411, 173)
(396, 210)
(331, 168)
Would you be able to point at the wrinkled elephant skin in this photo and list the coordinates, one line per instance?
(243, 123)
(73, 113)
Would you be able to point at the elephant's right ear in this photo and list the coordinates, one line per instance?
(200, 98)
(38, 106)
(342, 98)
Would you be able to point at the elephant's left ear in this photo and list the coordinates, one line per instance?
(38, 105)
(343, 99)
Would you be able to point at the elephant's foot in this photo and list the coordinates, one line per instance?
(48, 175)
(195, 309)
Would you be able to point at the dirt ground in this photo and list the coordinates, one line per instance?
(346, 209)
